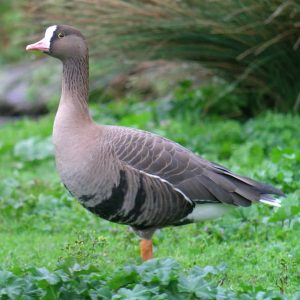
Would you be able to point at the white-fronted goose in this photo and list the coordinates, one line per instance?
(129, 176)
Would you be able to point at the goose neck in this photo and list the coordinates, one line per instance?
(75, 83)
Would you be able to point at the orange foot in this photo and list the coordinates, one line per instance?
(146, 249)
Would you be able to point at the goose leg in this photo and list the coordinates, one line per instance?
(146, 249)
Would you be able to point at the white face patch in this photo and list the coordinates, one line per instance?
(48, 35)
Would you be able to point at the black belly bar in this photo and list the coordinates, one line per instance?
(111, 207)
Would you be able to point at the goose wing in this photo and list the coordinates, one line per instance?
(199, 180)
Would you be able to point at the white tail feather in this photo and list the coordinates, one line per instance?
(270, 201)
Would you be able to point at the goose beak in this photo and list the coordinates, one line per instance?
(41, 45)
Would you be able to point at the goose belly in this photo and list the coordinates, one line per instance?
(135, 199)
(90, 182)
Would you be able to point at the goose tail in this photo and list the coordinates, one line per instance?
(268, 199)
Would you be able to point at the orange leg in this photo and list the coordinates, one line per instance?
(146, 249)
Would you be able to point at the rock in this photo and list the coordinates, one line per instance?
(26, 88)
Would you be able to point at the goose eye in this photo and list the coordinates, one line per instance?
(60, 35)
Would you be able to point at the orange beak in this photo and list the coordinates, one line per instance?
(38, 46)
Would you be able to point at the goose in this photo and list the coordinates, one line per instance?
(129, 176)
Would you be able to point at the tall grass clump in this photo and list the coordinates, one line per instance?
(254, 45)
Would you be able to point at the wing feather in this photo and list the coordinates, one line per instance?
(197, 179)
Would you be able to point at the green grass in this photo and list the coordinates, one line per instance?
(42, 226)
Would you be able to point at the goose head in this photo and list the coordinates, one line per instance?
(62, 42)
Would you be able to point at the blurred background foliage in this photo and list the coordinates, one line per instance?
(252, 46)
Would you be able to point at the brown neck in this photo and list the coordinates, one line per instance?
(75, 86)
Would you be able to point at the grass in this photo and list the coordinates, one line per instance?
(42, 226)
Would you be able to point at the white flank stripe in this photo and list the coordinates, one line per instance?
(170, 184)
